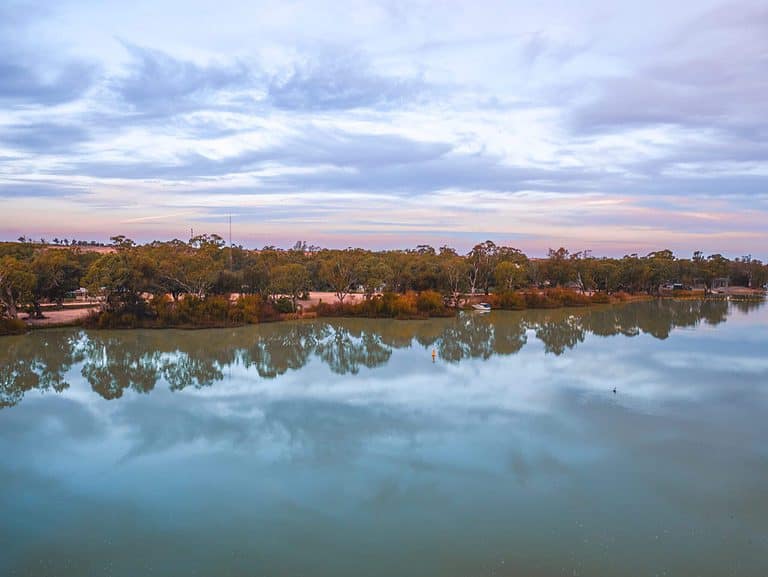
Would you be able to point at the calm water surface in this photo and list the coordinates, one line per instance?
(341, 449)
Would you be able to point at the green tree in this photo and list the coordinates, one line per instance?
(560, 267)
(184, 270)
(291, 280)
(509, 275)
(338, 270)
(716, 266)
(482, 260)
(633, 273)
(661, 268)
(57, 272)
(606, 274)
(374, 274)
(256, 275)
(455, 273)
(16, 285)
(121, 277)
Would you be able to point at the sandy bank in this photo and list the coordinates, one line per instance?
(67, 316)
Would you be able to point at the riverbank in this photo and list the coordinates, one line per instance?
(218, 312)
(62, 318)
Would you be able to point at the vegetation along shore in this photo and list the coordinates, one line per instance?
(203, 283)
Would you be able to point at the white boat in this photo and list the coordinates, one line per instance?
(482, 307)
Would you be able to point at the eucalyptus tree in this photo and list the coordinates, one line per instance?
(374, 274)
(184, 269)
(661, 269)
(560, 268)
(122, 276)
(57, 273)
(339, 270)
(455, 274)
(17, 283)
(291, 280)
(633, 273)
(423, 268)
(482, 260)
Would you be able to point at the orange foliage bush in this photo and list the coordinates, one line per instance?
(189, 312)
(390, 305)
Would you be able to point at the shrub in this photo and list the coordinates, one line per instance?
(539, 300)
(247, 309)
(600, 298)
(400, 306)
(430, 302)
(680, 293)
(12, 327)
(267, 312)
(188, 312)
(389, 305)
(284, 305)
(508, 300)
(569, 298)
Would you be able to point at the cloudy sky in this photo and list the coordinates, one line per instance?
(611, 126)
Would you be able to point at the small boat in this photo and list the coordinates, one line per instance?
(482, 307)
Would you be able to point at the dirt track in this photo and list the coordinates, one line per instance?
(66, 316)
(330, 298)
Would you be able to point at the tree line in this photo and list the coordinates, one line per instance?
(61, 241)
(203, 268)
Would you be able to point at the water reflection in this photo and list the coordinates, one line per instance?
(338, 448)
(350, 347)
(113, 362)
(32, 363)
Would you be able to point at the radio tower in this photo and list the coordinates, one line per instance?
(230, 242)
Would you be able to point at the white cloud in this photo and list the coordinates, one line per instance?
(563, 121)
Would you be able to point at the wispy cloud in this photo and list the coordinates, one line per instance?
(156, 217)
(157, 83)
(339, 80)
(362, 122)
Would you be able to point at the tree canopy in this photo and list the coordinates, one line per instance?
(128, 274)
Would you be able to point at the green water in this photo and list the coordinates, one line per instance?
(342, 449)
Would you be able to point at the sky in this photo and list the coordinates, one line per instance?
(615, 127)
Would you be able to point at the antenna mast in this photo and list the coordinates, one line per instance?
(230, 242)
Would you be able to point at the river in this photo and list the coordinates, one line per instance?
(622, 440)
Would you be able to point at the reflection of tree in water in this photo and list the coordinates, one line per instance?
(610, 321)
(116, 361)
(195, 359)
(656, 318)
(35, 363)
(659, 317)
(344, 351)
(563, 329)
(278, 348)
(714, 312)
(509, 338)
(428, 332)
(560, 334)
(746, 306)
(472, 336)
(392, 333)
(136, 360)
(184, 370)
(469, 336)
